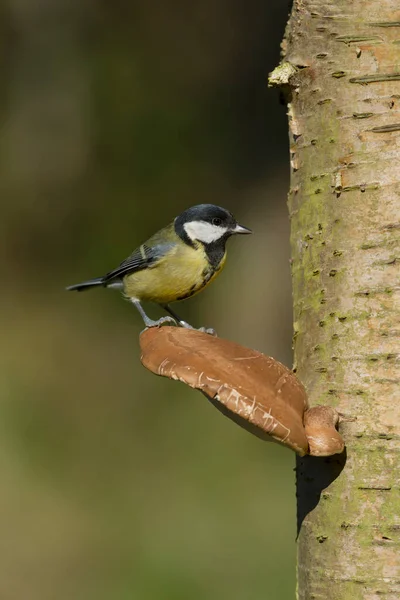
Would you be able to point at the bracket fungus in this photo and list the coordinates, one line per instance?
(256, 391)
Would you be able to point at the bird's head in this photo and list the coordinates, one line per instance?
(208, 224)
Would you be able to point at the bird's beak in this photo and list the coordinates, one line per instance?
(241, 229)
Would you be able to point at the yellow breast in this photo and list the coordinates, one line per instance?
(182, 273)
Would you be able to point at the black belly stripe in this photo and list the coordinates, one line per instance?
(189, 293)
(207, 274)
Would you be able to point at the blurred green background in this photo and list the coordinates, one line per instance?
(116, 116)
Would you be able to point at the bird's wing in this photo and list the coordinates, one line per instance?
(142, 258)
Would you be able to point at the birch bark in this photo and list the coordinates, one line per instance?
(341, 76)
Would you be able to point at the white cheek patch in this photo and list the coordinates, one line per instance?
(204, 232)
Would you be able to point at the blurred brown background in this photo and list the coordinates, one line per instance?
(116, 116)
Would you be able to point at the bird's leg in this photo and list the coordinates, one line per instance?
(176, 317)
(183, 323)
(147, 321)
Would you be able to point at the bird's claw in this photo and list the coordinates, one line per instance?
(150, 323)
(208, 330)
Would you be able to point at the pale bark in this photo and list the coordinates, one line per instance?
(342, 74)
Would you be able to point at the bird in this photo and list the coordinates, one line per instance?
(175, 263)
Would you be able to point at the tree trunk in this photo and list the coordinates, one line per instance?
(341, 76)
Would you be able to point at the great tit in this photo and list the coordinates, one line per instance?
(176, 263)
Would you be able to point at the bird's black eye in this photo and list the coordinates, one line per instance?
(217, 221)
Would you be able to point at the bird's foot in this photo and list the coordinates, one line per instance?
(150, 323)
(186, 325)
(208, 330)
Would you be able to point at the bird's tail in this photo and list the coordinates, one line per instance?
(86, 285)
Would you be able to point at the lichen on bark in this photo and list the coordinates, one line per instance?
(344, 205)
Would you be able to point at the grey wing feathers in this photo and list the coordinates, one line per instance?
(142, 258)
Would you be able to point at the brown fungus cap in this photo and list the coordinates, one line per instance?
(256, 391)
(320, 426)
